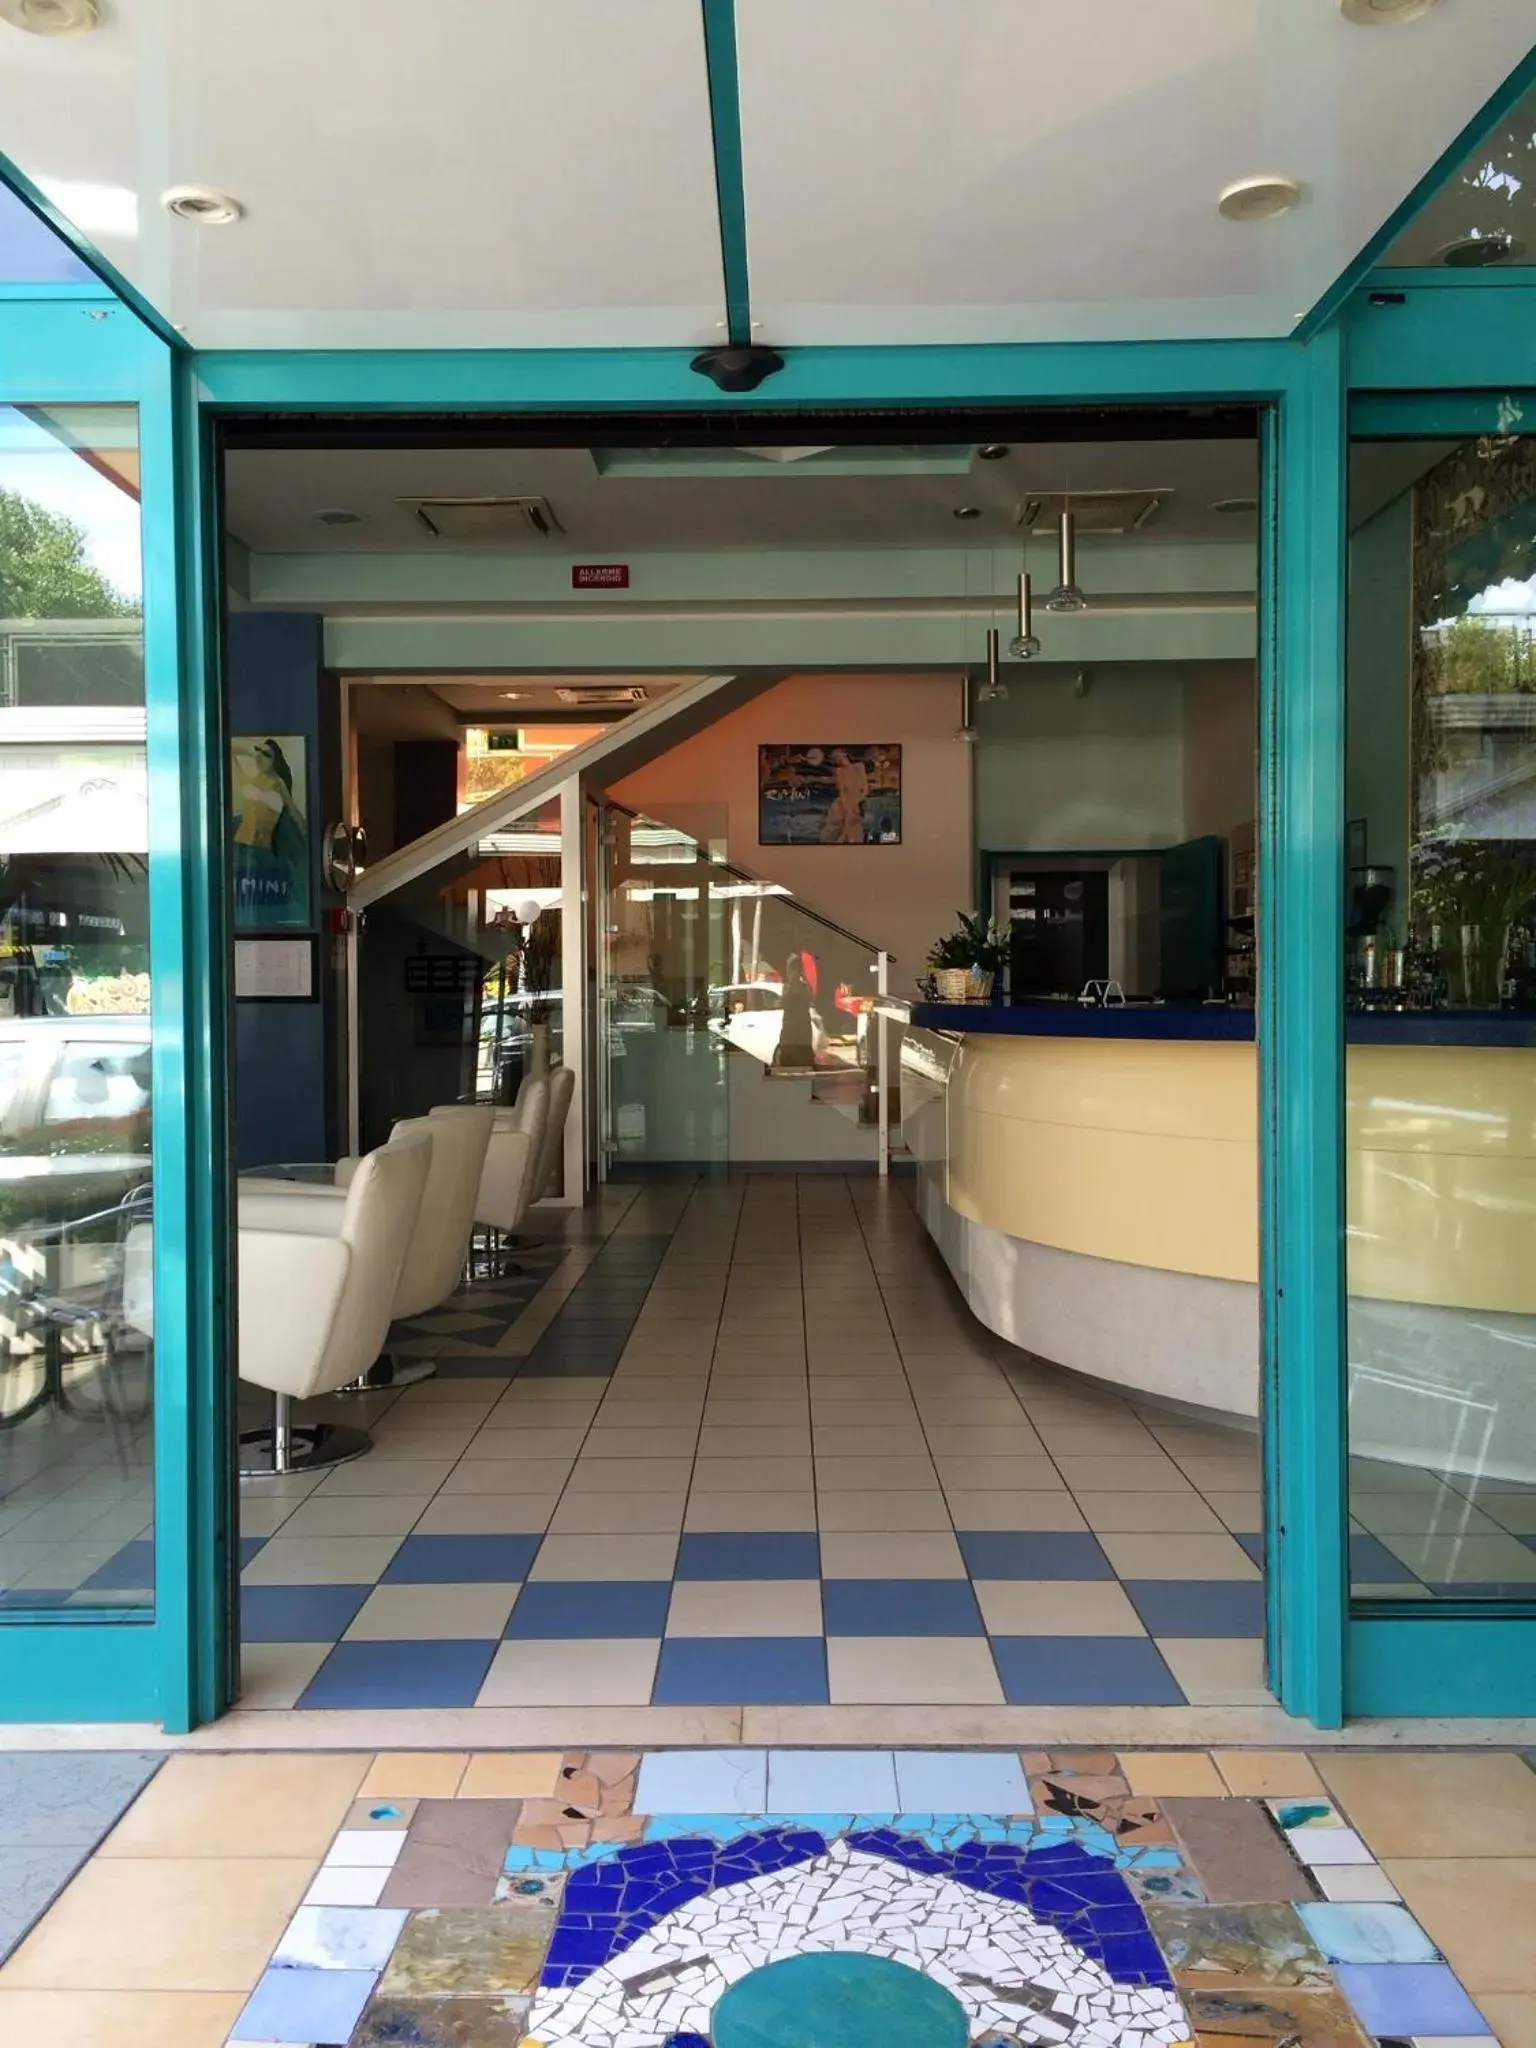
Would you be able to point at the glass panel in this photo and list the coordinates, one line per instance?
(1486, 215)
(30, 251)
(738, 1026)
(76, 1503)
(459, 977)
(1440, 923)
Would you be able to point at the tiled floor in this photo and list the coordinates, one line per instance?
(697, 1899)
(749, 1448)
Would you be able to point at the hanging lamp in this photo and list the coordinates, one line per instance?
(1024, 645)
(1067, 597)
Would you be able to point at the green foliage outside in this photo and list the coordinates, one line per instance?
(44, 572)
(1475, 656)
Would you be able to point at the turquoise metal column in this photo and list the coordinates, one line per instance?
(1301, 1037)
(196, 1563)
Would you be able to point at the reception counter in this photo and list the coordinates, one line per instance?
(1091, 1178)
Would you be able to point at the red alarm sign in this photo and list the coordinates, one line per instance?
(600, 576)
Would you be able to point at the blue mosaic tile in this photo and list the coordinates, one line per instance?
(1415, 1999)
(317, 2006)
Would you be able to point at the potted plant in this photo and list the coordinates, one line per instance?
(967, 960)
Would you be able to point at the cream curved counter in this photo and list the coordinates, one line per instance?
(1091, 1178)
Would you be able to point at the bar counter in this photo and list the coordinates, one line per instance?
(1091, 1178)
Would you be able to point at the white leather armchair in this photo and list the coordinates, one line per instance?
(562, 1086)
(318, 1282)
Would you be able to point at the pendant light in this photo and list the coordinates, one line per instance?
(994, 689)
(1024, 646)
(1067, 597)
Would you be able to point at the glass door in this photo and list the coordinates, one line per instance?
(1439, 926)
(116, 1588)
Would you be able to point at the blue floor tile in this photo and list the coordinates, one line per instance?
(1033, 1554)
(1084, 1671)
(553, 1609)
(1409, 1999)
(758, 1671)
(477, 1368)
(1372, 1564)
(1253, 1543)
(418, 1674)
(901, 1607)
(831, 1781)
(461, 1560)
(319, 2006)
(129, 1570)
(703, 1781)
(536, 1368)
(298, 1614)
(780, 1554)
(961, 1781)
(1199, 1607)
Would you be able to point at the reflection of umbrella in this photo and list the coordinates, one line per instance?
(80, 814)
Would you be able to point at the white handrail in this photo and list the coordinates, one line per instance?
(883, 1064)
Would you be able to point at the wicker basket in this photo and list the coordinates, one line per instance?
(963, 984)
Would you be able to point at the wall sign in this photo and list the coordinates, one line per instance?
(275, 970)
(600, 576)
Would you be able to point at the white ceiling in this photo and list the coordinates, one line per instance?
(465, 173)
(272, 496)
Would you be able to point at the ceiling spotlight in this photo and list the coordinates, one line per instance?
(1259, 199)
(1384, 13)
(512, 696)
(966, 512)
(1067, 597)
(338, 515)
(203, 205)
(992, 451)
(52, 17)
(1481, 252)
(1024, 646)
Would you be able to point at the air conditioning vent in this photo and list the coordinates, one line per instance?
(1103, 513)
(602, 696)
(486, 519)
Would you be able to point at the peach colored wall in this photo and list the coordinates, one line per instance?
(901, 897)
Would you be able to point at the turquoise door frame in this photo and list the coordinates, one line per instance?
(82, 346)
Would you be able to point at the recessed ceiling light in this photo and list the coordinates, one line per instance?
(1259, 198)
(511, 696)
(203, 205)
(992, 451)
(338, 515)
(1479, 252)
(1385, 13)
(52, 17)
(966, 512)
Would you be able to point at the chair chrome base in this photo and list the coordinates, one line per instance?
(388, 1374)
(283, 1446)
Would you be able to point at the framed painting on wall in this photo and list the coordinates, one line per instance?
(829, 795)
(269, 800)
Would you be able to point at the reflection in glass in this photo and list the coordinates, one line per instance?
(1440, 920)
(76, 1505)
(30, 251)
(1485, 215)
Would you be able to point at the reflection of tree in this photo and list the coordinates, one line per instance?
(1482, 656)
(44, 573)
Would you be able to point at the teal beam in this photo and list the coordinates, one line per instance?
(1435, 179)
(1301, 994)
(1477, 1665)
(112, 279)
(1430, 339)
(730, 183)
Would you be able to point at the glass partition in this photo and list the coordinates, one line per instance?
(76, 1436)
(738, 1027)
(1440, 929)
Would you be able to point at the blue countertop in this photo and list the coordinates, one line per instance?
(1214, 1022)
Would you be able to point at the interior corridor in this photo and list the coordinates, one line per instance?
(740, 1443)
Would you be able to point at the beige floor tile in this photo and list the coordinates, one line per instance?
(1223, 1474)
(781, 1440)
(257, 1517)
(1470, 1560)
(415, 1774)
(507, 1476)
(411, 1444)
(950, 1441)
(273, 1675)
(882, 1509)
(1169, 1773)
(1512, 2016)
(546, 1393)
(752, 1475)
(1118, 1439)
(1442, 1805)
(508, 1414)
(1152, 1474)
(618, 1514)
(878, 1438)
(651, 1445)
(1243, 1512)
(1480, 1912)
(868, 1474)
(487, 1514)
(118, 2019)
(605, 1557)
(392, 1477)
(367, 1515)
(200, 1923)
(1057, 1607)
(511, 1440)
(571, 1674)
(725, 1414)
(512, 1774)
(891, 1554)
(852, 1387)
(986, 1411)
(411, 1614)
(1178, 1557)
(1515, 1512)
(1268, 1773)
(1030, 1473)
(321, 1561)
(999, 1509)
(1217, 1671)
(912, 1670)
(593, 1474)
(795, 1511)
(238, 1805)
(748, 1607)
(1148, 1513)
